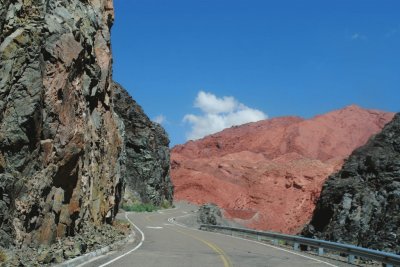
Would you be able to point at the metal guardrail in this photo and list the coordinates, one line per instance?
(389, 259)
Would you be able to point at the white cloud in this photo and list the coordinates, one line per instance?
(160, 119)
(358, 36)
(392, 32)
(218, 114)
(209, 103)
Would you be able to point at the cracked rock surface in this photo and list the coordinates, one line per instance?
(64, 151)
(61, 149)
(147, 152)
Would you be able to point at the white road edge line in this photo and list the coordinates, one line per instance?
(129, 252)
(172, 220)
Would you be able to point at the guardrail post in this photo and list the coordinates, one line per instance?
(298, 243)
(351, 259)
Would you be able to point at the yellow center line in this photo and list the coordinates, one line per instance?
(225, 259)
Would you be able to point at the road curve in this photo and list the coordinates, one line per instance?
(162, 242)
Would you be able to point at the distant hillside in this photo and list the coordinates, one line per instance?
(268, 174)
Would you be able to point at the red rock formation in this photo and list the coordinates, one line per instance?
(268, 175)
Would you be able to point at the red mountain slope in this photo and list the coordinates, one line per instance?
(267, 175)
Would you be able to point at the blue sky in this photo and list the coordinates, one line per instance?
(298, 57)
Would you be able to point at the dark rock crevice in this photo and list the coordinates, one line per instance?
(67, 177)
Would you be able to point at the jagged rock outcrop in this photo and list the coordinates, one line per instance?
(268, 174)
(147, 150)
(360, 204)
(61, 149)
(64, 151)
(210, 214)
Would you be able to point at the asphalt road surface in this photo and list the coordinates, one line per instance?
(161, 241)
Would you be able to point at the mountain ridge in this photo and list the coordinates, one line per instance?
(265, 168)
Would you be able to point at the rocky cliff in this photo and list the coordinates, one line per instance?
(60, 142)
(268, 174)
(63, 160)
(147, 150)
(360, 204)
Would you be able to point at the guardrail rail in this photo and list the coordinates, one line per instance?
(390, 259)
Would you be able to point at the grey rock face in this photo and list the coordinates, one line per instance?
(64, 151)
(61, 149)
(361, 203)
(147, 151)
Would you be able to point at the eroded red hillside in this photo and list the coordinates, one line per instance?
(267, 175)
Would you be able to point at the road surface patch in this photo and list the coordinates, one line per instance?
(173, 220)
(224, 258)
(132, 250)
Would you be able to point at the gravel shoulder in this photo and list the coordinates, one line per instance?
(91, 238)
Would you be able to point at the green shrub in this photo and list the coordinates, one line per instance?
(166, 204)
(3, 256)
(282, 243)
(140, 207)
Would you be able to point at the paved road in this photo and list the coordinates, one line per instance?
(167, 244)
